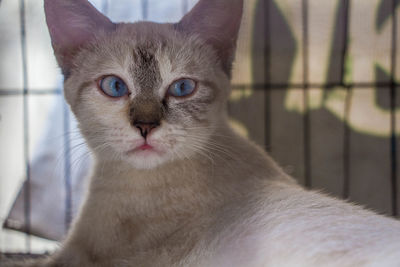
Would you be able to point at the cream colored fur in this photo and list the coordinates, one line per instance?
(211, 198)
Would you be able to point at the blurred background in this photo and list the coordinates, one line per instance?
(316, 83)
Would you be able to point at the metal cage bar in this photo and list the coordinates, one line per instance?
(255, 86)
(104, 6)
(27, 192)
(67, 168)
(267, 78)
(347, 105)
(393, 89)
(305, 87)
(145, 9)
(184, 6)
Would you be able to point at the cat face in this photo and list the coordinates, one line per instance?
(171, 94)
(144, 93)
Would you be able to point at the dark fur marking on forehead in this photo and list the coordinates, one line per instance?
(145, 69)
(143, 56)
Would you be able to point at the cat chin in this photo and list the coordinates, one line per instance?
(146, 161)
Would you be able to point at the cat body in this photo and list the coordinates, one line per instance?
(173, 185)
(129, 219)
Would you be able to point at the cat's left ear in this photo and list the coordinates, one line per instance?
(72, 24)
(217, 22)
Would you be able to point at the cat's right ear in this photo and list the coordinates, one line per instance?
(72, 24)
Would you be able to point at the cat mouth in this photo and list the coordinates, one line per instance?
(144, 148)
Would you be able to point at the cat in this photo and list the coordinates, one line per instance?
(173, 184)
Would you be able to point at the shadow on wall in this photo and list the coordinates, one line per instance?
(338, 138)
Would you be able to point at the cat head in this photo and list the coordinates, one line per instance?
(146, 93)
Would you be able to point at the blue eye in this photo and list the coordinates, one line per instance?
(181, 88)
(113, 86)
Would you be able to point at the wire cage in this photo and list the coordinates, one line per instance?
(315, 83)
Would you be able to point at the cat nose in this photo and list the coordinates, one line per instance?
(145, 127)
